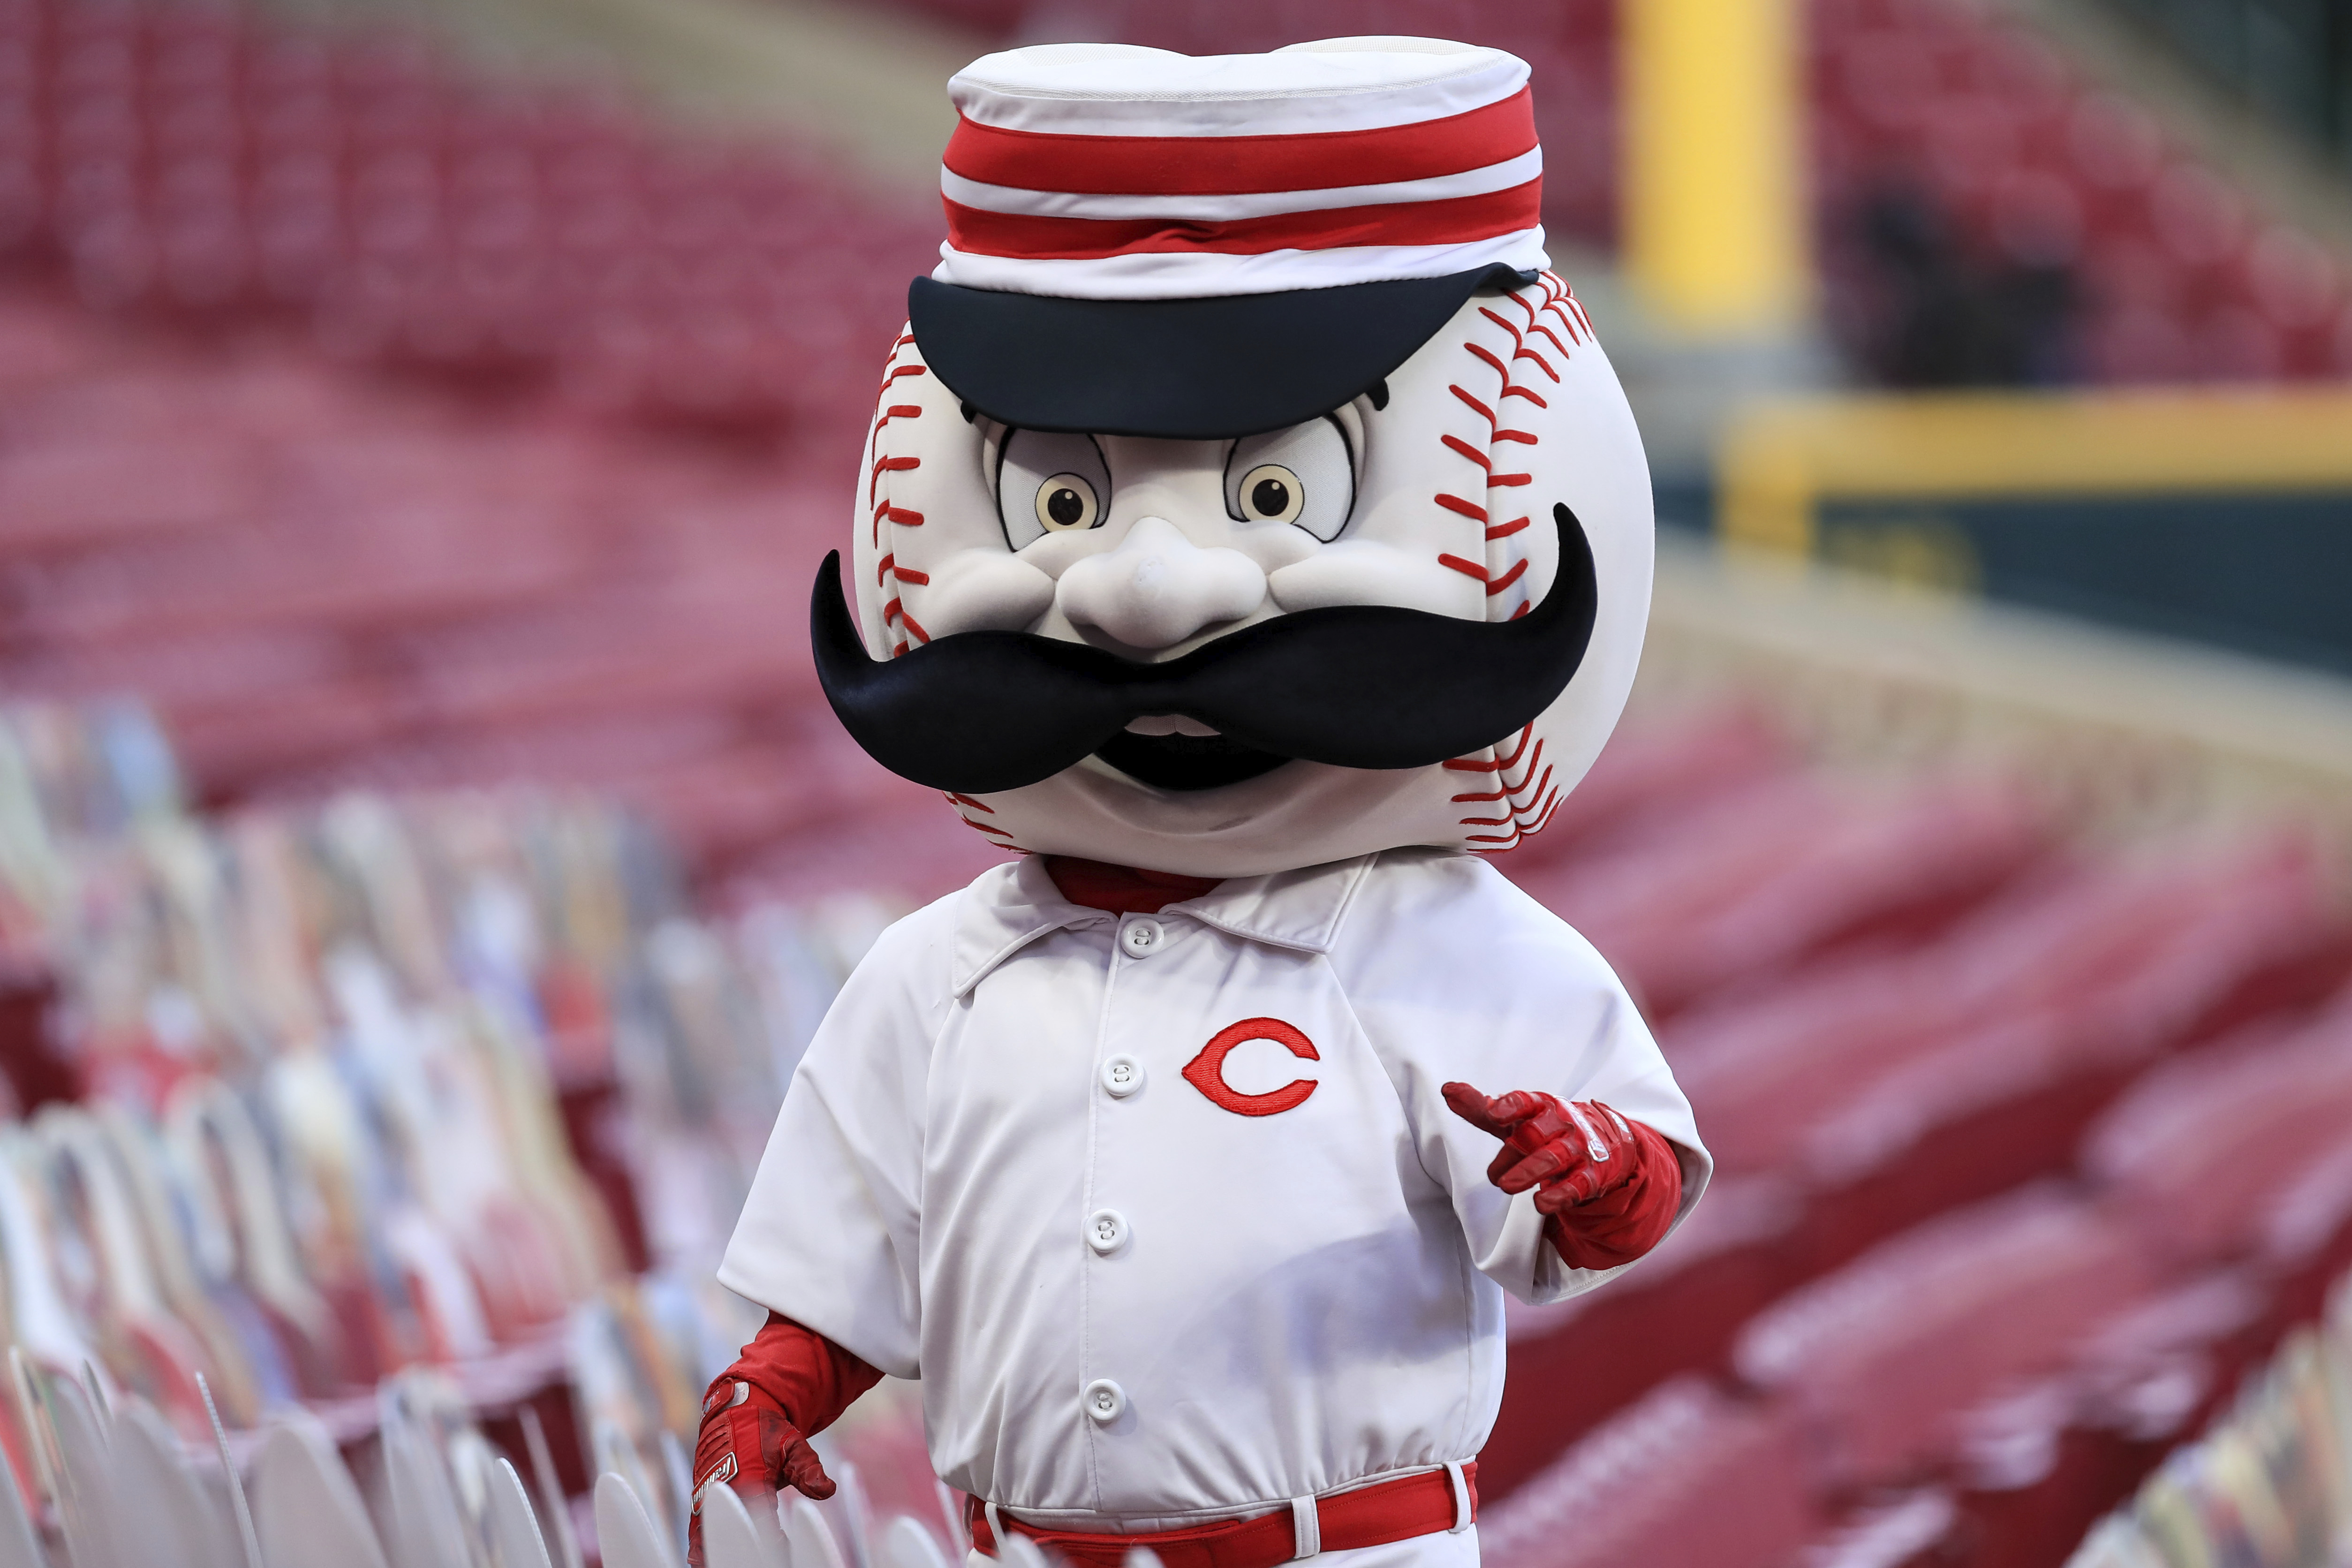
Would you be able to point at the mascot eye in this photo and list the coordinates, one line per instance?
(1304, 476)
(1271, 493)
(1049, 483)
(1066, 504)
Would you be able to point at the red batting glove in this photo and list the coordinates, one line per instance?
(1607, 1187)
(750, 1439)
(748, 1443)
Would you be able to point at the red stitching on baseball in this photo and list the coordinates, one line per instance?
(923, 579)
(1504, 769)
(1520, 348)
(1516, 834)
(1519, 830)
(1551, 804)
(1467, 450)
(1532, 792)
(1557, 295)
(1517, 810)
(1568, 295)
(913, 625)
(1484, 412)
(1519, 806)
(900, 515)
(1551, 307)
(1532, 304)
(1519, 343)
(892, 611)
(975, 804)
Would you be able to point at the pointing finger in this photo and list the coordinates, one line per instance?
(1476, 1109)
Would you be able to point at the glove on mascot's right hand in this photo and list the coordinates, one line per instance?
(1608, 1186)
(788, 1385)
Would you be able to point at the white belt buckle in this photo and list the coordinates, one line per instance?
(1306, 1528)
(1462, 1512)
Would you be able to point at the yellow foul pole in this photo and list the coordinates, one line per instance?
(1713, 201)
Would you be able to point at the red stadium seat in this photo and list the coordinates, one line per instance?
(1688, 1476)
(1877, 1363)
(2038, 1463)
(2191, 1157)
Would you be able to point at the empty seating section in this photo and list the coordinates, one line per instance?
(2182, 278)
(2177, 276)
(566, 533)
(184, 159)
(2007, 1198)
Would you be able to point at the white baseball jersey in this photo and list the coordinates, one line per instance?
(1166, 1211)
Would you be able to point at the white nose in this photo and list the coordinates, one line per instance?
(1159, 587)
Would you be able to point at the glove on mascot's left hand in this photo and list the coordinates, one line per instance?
(788, 1385)
(1607, 1186)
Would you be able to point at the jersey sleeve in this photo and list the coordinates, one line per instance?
(1454, 973)
(829, 1231)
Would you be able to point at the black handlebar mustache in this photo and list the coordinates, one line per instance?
(1356, 686)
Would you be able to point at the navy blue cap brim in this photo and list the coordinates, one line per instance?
(1189, 369)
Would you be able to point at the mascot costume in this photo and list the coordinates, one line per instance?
(1250, 534)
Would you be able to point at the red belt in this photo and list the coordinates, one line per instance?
(1368, 1516)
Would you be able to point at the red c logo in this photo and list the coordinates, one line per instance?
(1206, 1072)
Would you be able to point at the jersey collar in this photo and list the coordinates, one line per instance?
(1012, 906)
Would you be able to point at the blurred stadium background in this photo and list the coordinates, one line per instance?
(424, 850)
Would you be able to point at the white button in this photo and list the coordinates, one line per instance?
(1106, 1231)
(1104, 1400)
(1141, 938)
(1122, 1076)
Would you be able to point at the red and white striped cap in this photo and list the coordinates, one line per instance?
(1110, 172)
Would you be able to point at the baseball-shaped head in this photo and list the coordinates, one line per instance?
(1244, 493)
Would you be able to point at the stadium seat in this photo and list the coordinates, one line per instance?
(1877, 1363)
(1688, 1477)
